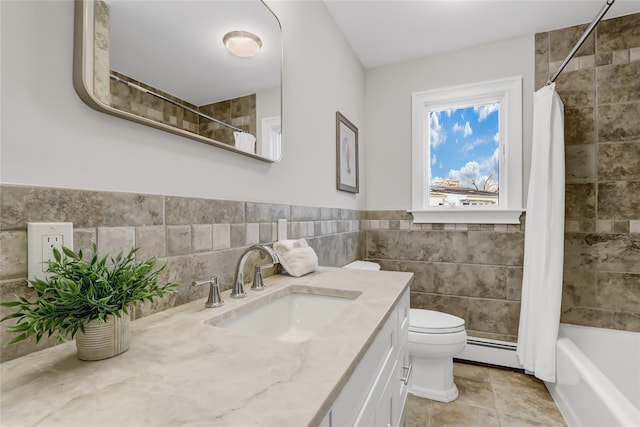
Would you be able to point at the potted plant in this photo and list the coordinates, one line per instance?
(89, 300)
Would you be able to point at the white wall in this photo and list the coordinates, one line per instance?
(388, 109)
(50, 137)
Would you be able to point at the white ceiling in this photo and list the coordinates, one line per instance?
(176, 46)
(383, 32)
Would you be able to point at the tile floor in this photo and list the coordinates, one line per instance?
(488, 397)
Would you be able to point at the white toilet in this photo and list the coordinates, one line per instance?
(434, 338)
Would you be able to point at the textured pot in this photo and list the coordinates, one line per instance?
(104, 340)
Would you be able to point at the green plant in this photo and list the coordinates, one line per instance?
(78, 291)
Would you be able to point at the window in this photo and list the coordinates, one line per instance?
(467, 153)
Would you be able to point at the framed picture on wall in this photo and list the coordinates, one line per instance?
(346, 154)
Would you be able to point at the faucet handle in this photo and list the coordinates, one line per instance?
(258, 284)
(214, 299)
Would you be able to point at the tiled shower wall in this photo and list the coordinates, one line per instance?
(600, 89)
(239, 112)
(197, 238)
(142, 104)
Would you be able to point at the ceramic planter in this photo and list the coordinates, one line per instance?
(101, 340)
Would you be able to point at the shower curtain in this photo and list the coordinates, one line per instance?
(544, 239)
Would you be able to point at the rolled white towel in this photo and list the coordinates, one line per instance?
(245, 141)
(296, 256)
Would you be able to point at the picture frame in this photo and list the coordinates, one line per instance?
(347, 163)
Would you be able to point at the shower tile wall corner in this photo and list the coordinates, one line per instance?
(601, 96)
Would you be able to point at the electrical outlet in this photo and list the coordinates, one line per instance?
(48, 243)
(42, 237)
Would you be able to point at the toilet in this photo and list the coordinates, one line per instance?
(434, 339)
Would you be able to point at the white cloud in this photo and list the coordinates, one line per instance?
(465, 130)
(492, 164)
(478, 173)
(433, 160)
(470, 145)
(484, 111)
(496, 138)
(437, 134)
(467, 173)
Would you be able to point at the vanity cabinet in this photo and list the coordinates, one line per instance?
(376, 392)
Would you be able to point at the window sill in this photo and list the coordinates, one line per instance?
(467, 216)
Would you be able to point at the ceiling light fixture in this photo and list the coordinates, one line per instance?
(242, 43)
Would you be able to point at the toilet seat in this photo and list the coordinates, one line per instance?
(434, 322)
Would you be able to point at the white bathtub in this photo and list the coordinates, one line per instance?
(598, 377)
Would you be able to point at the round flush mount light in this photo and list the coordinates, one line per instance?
(242, 43)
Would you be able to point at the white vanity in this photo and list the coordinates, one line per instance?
(187, 366)
(377, 390)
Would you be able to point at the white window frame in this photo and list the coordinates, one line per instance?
(508, 92)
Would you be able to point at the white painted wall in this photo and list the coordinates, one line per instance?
(388, 109)
(50, 137)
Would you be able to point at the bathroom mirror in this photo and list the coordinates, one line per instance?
(164, 64)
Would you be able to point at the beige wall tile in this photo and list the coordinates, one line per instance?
(201, 237)
(178, 240)
(151, 241)
(221, 236)
(113, 240)
(13, 262)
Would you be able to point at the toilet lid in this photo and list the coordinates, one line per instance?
(434, 322)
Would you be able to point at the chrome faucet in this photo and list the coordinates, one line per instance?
(238, 280)
(214, 299)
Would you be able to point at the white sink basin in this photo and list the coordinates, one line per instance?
(292, 317)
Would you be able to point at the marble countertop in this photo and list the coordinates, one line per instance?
(179, 370)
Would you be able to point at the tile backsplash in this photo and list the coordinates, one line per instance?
(196, 238)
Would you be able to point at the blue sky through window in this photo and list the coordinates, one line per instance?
(464, 146)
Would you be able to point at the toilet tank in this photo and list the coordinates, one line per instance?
(363, 265)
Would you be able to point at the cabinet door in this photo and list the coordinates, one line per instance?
(362, 391)
(387, 410)
(402, 377)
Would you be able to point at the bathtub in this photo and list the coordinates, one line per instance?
(598, 376)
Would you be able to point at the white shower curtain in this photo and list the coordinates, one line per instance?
(544, 239)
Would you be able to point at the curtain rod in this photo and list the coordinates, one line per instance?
(586, 34)
(164, 98)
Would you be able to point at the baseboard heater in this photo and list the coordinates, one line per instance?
(493, 352)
